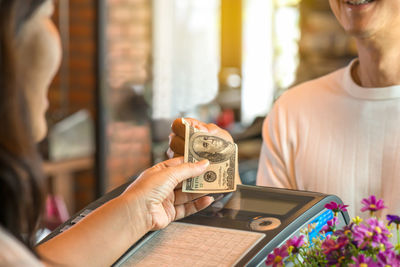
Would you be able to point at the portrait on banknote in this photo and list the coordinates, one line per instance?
(221, 174)
(213, 148)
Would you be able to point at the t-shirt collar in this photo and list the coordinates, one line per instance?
(370, 93)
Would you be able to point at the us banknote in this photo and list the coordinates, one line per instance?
(221, 174)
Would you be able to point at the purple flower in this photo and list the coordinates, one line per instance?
(333, 206)
(334, 250)
(330, 245)
(372, 204)
(330, 226)
(388, 258)
(373, 234)
(363, 260)
(359, 244)
(275, 259)
(393, 219)
(362, 236)
(345, 231)
(294, 243)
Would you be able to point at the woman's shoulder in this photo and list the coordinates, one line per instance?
(14, 253)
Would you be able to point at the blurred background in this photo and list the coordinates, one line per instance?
(132, 66)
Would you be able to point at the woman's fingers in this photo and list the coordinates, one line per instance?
(179, 128)
(192, 207)
(179, 186)
(170, 153)
(184, 171)
(176, 170)
(177, 144)
(168, 163)
(214, 129)
(177, 137)
(173, 162)
(182, 198)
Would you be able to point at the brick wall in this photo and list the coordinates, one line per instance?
(78, 76)
(129, 33)
(80, 57)
(129, 151)
(128, 60)
(129, 47)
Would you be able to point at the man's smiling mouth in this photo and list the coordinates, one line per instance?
(358, 2)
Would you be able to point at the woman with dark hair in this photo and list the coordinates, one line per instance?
(29, 57)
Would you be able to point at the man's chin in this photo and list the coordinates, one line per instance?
(359, 34)
(361, 31)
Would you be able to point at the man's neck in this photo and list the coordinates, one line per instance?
(379, 63)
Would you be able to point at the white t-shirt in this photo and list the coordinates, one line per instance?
(330, 135)
(13, 253)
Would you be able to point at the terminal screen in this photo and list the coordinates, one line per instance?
(261, 205)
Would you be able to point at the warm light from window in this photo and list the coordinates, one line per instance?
(258, 79)
(287, 35)
(185, 55)
(271, 32)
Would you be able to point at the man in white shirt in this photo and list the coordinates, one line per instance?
(340, 134)
(331, 135)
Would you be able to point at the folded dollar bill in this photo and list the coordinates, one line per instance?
(221, 174)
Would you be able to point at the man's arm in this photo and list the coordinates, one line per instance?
(277, 157)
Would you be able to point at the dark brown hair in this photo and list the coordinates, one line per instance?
(21, 198)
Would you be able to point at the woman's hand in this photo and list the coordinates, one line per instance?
(150, 203)
(157, 193)
(177, 137)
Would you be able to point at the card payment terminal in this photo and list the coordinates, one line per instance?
(239, 229)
